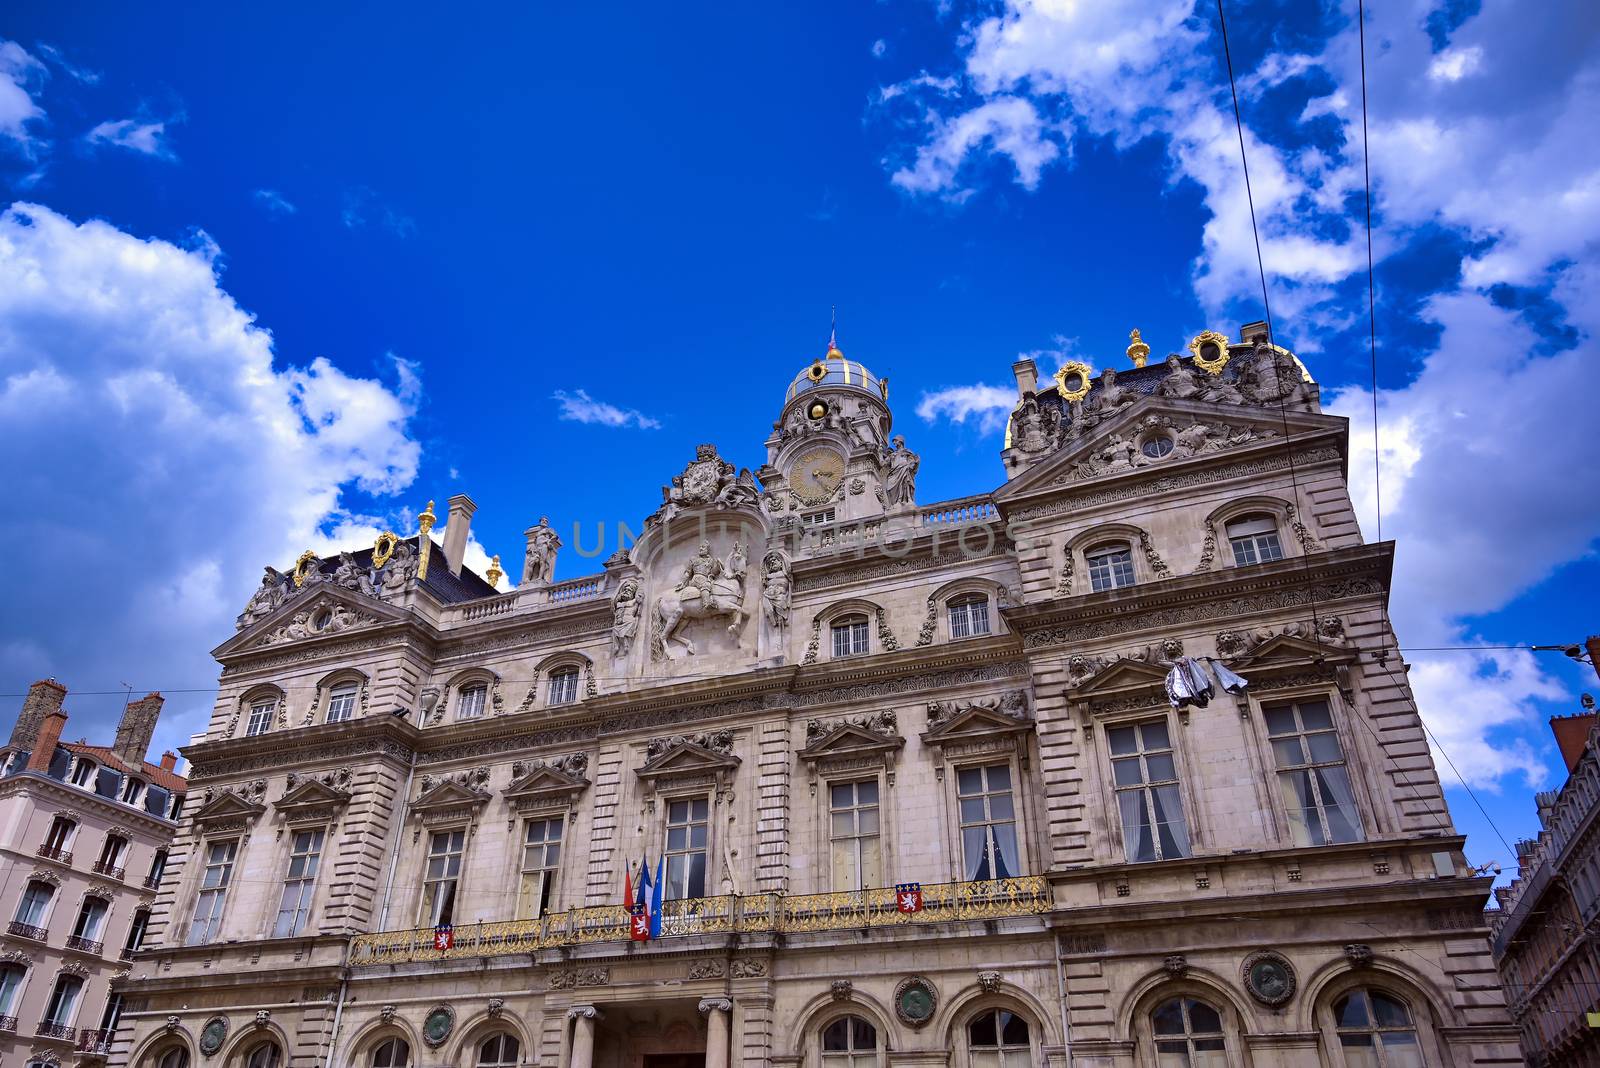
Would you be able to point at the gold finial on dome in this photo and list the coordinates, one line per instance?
(426, 520)
(494, 574)
(1138, 352)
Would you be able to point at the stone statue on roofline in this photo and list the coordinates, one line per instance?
(539, 562)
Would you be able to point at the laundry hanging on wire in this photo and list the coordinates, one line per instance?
(1189, 681)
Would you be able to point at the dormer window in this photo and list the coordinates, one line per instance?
(83, 772)
(563, 686)
(1110, 566)
(1254, 539)
(469, 705)
(849, 636)
(132, 790)
(342, 702)
(969, 616)
(260, 717)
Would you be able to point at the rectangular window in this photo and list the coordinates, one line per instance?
(82, 772)
(111, 1017)
(470, 704)
(1110, 569)
(305, 857)
(817, 519)
(1312, 778)
(60, 837)
(854, 835)
(11, 977)
(342, 702)
(541, 858)
(132, 790)
(158, 864)
(112, 854)
(136, 929)
(63, 1001)
(1254, 540)
(1145, 776)
(969, 618)
(563, 687)
(91, 919)
(688, 825)
(260, 718)
(850, 637)
(443, 877)
(213, 892)
(988, 822)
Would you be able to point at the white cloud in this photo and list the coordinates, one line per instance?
(578, 407)
(164, 459)
(1007, 126)
(72, 70)
(987, 406)
(145, 136)
(273, 202)
(879, 47)
(1453, 64)
(17, 106)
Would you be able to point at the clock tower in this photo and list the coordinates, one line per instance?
(831, 457)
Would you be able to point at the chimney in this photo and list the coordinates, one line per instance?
(169, 761)
(44, 745)
(137, 726)
(1027, 373)
(455, 531)
(1248, 332)
(1572, 736)
(44, 697)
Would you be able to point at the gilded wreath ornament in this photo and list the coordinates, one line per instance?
(1212, 365)
(1068, 369)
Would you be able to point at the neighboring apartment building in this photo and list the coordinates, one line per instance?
(920, 784)
(1548, 925)
(84, 830)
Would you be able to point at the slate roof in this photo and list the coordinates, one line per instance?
(445, 587)
(155, 774)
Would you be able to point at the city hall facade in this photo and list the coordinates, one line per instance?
(1114, 765)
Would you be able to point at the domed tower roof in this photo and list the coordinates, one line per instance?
(834, 371)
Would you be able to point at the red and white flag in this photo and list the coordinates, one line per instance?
(908, 897)
(444, 936)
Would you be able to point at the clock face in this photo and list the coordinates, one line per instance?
(816, 474)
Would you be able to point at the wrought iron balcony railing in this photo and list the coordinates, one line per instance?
(50, 852)
(151, 882)
(772, 913)
(94, 1042)
(51, 1029)
(103, 868)
(8, 1024)
(84, 945)
(28, 930)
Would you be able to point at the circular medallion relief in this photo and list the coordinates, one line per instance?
(914, 1000)
(438, 1025)
(816, 474)
(1269, 977)
(213, 1034)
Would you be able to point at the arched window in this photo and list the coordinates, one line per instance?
(83, 772)
(11, 978)
(563, 686)
(969, 616)
(1110, 566)
(1254, 539)
(265, 1055)
(342, 701)
(1188, 1032)
(469, 703)
(1376, 1031)
(33, 907)
(849, 636)
(849, 1042)
(499, 1051)
(392, 1053)
(176, 1057)
(999, 1039)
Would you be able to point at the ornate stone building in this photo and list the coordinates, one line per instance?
(921, 784)
(84, 832)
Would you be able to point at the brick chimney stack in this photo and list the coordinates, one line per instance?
(44, 745)
(137, 727)
(456, 530)
(169, 761)
(44, 697)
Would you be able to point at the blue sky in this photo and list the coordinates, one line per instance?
(270, 283)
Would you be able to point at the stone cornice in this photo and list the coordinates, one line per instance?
(926, 548)
(379, 734)
(1227, 593)
(115, 811)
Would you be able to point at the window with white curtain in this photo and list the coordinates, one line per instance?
(541, 860)
(988, 822)
(214, 881)
(853, 835)
(1254, 539)
(563, 686)
(469, 703)
(299, 883)
(1144, 775)
(1313, 780)
(443, 876)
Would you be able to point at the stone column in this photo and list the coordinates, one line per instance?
(583, 1017)
(718, 1019)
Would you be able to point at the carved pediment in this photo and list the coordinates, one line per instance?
(1291, 655)
(225, 805)
(542, 783)
(1121, 675)
(322, 611)
(308, 799)
(685, 757)
(992, 717)
(449, 796)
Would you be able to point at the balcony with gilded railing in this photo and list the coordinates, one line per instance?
(733, 914)
(860, 535)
